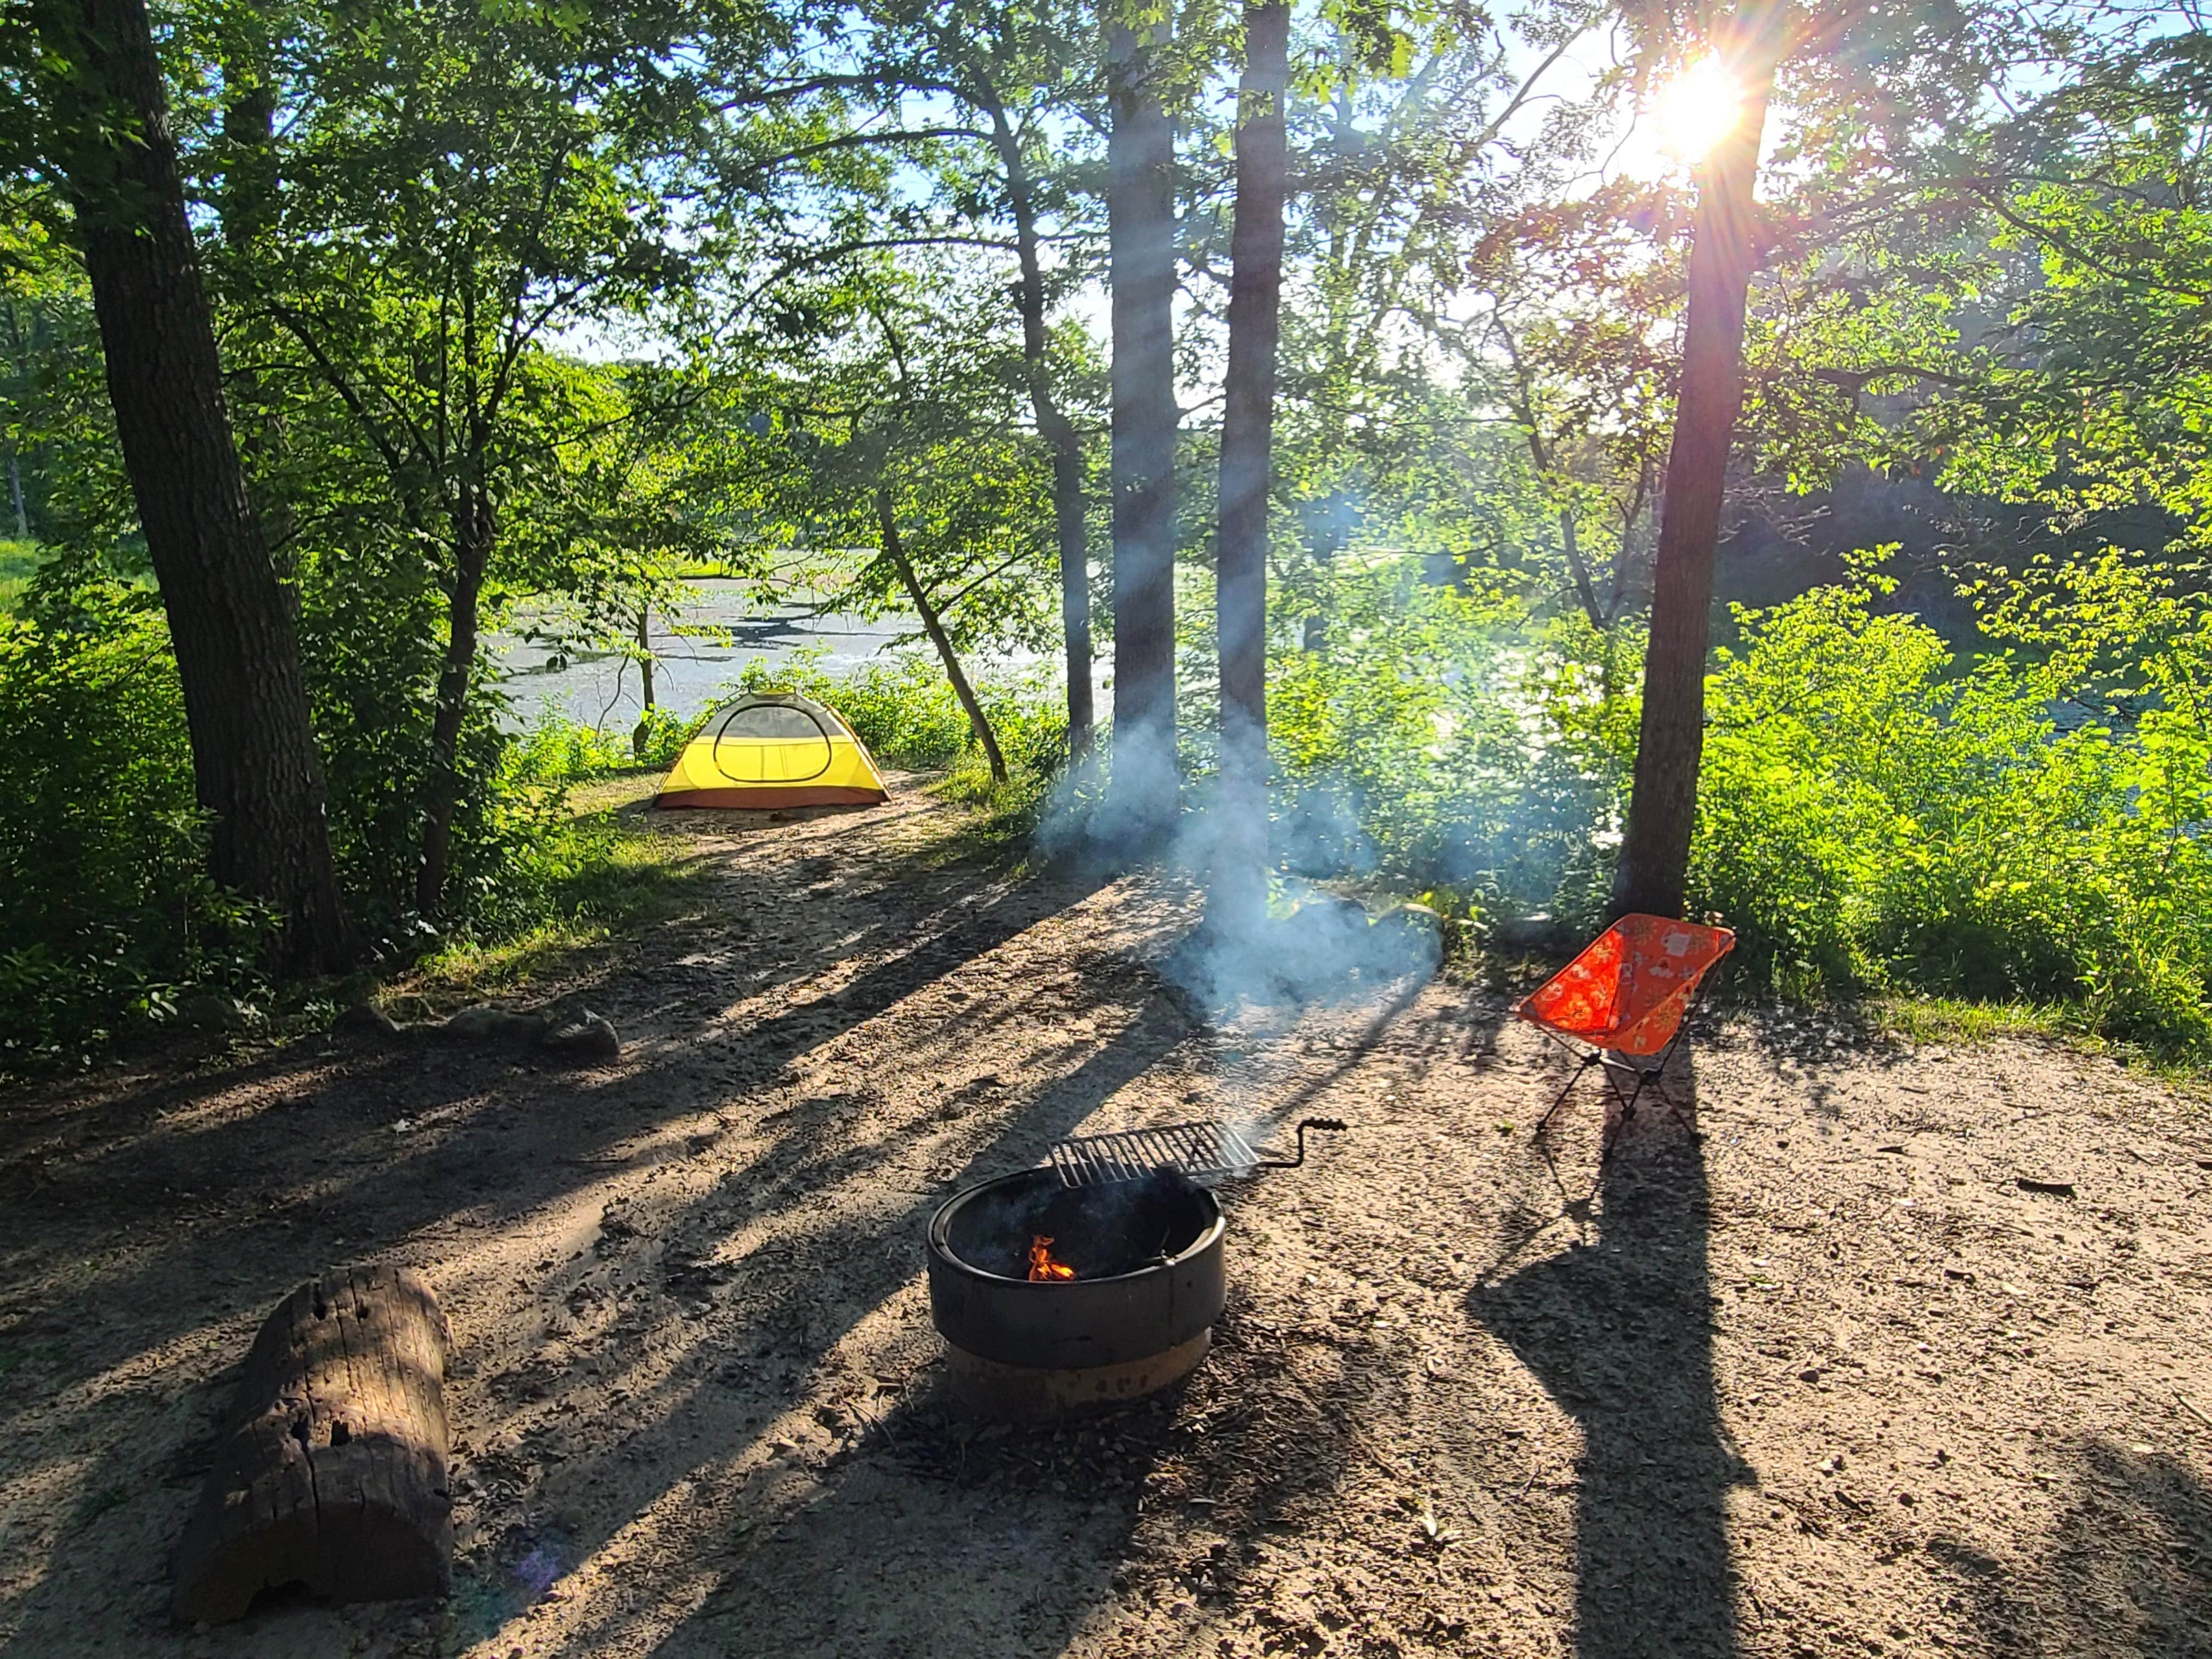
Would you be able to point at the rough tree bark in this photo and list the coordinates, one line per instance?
(1655, 852)
(1239, 895)
(231, 622)
(933, 625)
(1140, 235)
(1071, 530)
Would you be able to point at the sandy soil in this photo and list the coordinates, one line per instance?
(1824, 1379)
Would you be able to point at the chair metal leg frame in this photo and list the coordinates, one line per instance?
(1646, 1076)
(1595, 1058)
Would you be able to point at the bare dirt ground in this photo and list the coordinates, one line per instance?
(1824, 1380)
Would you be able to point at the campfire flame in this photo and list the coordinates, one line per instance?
(1042, 1266)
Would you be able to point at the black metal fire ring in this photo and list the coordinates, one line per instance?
(1175, 1288)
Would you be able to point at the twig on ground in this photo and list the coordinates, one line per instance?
(2188, 1406)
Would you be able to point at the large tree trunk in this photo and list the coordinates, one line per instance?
(933, 625)
(231, 622)
(474, 525)
(1072, 532)
(1655, 852)
(1248, 428)
(1140, 231)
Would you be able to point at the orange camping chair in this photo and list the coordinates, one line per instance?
(1626, 999)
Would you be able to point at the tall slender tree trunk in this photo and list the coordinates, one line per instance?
(254, 764)
(20, 374)
(1140, 233)
(1072, 530)
(1655, 852)
(1239, 895)
(933, 625)
(475, 525)
(644, 728)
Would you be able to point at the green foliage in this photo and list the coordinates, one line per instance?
(18, 563)
(1875, 813)
(1437, 739)
(558, 750)
(108, 909)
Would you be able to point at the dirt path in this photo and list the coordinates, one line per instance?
(1830, 1381)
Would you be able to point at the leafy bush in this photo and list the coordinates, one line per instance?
(371, 656)
(665, 736)
(18, 563)
(1873, 811)
(108, 909)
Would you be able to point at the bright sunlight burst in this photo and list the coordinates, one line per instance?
(1695, 111)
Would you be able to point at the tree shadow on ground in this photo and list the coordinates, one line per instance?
(991, 1573)
(1619, 1330)
(923, 1533)
(2127, 1569)
(290, 1162)
(325, 1182)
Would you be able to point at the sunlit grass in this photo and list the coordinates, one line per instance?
(1959, 1019)
(18, 563)
(624, 878)
(996, 817)
(1930, 1019)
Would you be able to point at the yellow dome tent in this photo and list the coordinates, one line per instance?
(774, 749)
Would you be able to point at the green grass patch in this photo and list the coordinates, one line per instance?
(1960, 1020)
(618, 879)
(1971, 1024)
(18, 563)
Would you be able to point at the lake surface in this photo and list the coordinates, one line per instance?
(603, 689)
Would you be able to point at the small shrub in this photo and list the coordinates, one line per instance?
(1873, 811)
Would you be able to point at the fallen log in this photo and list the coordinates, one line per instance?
(332, 1473)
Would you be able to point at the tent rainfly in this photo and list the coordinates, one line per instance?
(774, 749)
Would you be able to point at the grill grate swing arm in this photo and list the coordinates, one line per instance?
(1204, 1152)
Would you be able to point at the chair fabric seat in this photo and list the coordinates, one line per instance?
(1627, 992)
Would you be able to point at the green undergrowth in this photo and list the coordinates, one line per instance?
(617, 877)
(18, 563)
(2024, 826)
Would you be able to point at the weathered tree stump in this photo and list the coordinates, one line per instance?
(332, 1474)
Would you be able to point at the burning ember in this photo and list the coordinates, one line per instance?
(1042, 1266)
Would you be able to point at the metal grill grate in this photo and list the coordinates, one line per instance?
(1203, 1152)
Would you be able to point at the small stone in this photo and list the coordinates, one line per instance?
(365, 1019)
(486, 1023)
(204, 1010)
(586, 1037)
